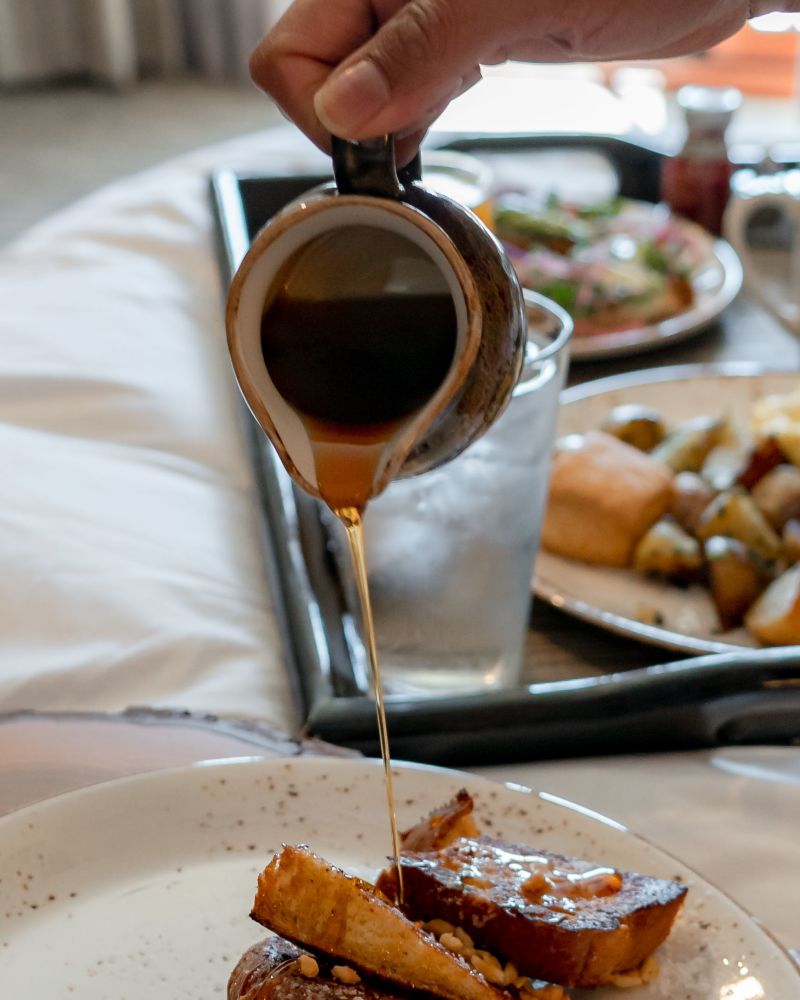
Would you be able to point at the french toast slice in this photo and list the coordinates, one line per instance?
(556, 918)
(303, 898)
(271, 970)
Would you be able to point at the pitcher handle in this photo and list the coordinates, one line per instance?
(769, 192)
(368, 167)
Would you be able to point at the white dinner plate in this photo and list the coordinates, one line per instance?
(141, 887)
(620, 600)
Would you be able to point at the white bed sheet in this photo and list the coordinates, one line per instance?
(130, 569)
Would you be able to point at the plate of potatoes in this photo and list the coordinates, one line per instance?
(673, 515)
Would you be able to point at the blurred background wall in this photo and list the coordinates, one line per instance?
(92, 90)
(118, 41)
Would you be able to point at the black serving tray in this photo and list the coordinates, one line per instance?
(752, 697)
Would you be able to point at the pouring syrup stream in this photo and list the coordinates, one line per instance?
(351, 518)
(356, 355)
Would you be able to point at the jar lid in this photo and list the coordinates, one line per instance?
(709, 107)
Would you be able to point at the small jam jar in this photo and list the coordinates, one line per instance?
(696, 182)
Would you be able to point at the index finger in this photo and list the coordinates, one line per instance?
(296, 57)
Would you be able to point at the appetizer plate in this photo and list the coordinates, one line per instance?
(141, 887)
(716, 284)
(622, 601)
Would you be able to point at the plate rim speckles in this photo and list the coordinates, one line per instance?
(122, 839)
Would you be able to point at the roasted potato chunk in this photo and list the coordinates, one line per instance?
(740, 463)
(735, 578)
(775, 617)
(725, 464)
(691, 494)
(685, 448)
(735, 515)
(639, 426)
(791, 541)
(777, 495)
(667, 551)
(764, 456)
(777, 418)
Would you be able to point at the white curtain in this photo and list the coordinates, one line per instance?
(117, 41)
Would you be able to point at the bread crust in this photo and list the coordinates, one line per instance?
(312, 903)
(443, 826)
(269, 971)
(581, 940)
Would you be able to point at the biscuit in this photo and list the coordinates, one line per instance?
(604, 496)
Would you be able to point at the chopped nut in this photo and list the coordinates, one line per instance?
(462, 935)
(649, 969)
(539, 990)
(645, 973)
(439, 927)
(345, 974)
(307, 966)
(549, 992)
(510, 974)
(488, 966)
(535, 885)
(451, 942)
(624, 980)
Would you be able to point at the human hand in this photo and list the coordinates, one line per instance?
(361, 68)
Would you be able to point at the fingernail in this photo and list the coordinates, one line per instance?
(352, 98)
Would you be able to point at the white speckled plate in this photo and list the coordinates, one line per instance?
(141, 887)
(619, 600)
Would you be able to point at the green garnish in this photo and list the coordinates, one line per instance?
(561, 292)
(601, 209)
(510, 223)
(654, 257)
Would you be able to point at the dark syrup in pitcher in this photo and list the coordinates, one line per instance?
(358, 335)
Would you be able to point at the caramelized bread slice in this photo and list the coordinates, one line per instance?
(442, 826)
(562, 919)
(305, 899)
(270, 971)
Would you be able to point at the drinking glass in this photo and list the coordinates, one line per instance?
(773, 275)
(450, 552)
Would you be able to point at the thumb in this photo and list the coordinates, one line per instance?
(417, 61)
